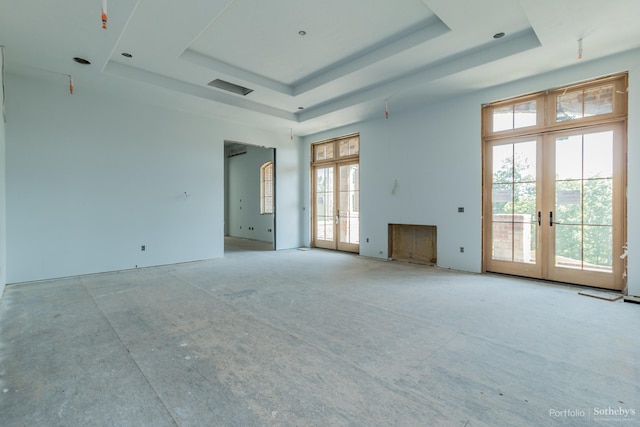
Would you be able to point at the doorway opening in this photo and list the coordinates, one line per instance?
(249, 198)
(335, 166)
(554, 184)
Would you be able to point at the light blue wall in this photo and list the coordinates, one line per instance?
(434, 153)
(92, 178)
(3, 225)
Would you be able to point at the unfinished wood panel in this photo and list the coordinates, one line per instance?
(413, 243)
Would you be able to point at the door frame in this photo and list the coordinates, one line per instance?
(333, 160)
(545, 267)
(547, 125)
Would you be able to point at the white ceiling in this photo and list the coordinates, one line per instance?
(356, 55)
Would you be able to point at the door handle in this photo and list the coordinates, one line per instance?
(539, 219)
(550, 218)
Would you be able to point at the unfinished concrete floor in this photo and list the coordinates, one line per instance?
(297, 338)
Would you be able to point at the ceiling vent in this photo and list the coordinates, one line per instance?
(230, 87)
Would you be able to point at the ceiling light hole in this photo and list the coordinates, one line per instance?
(81, 61)
(302, 32)
(127, 55)
(498, 35)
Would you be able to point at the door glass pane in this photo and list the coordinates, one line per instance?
(584, 201)
(568, 246)
(598, 248)
(502, 163)
(568, 202)
(569, 157)
(502, 202)
(524, 161)
(502, 241)
(598, 155)
(349, 204)
(324, 204)
(598, 201)
(513, 199)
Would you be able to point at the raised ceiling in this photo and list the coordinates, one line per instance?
(355, 55)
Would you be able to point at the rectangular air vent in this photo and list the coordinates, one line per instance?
(230, 87)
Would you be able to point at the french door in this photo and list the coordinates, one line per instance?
(554, 206)
(337, 206)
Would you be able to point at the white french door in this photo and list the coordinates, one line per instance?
(554, 206)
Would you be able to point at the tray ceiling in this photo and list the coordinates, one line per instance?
(354, 57)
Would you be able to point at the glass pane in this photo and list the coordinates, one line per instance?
(598, 201)
(525, 115)
(569, 106)
(354, 145)
(568, 245)
(524, 202)
(569, 157)
(323, 151)
(598, 243)
(568, 202)
(524, 243)
(349, 147)
(349, 204)
(598, 155)
(502, 202)
(598, 100)
(324, 204)
(502, 241)
(524, 154)
(503, 118)
(343, 147)
(502, 163)
(319, 152)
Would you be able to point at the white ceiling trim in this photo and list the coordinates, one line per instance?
(126, 71)
(490, 52)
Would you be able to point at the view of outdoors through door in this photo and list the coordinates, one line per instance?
(554, 190)
(336, 194)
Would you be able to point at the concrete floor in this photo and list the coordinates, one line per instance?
(297, 338)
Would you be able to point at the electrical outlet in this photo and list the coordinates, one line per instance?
(367, 240)
(460, 209)
(461, 249)
(143, 248)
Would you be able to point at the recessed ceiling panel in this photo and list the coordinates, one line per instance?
(265, 36)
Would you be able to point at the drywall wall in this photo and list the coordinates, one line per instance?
(243, 195)
(3, 165)
(633, 178)
(90, 179)
(419, 166)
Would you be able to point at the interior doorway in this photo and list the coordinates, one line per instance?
(249, 197)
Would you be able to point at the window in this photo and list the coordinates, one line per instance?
(577, 105)
(266, 189)
(345, 147)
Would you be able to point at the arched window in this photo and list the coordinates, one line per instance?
(266, 188)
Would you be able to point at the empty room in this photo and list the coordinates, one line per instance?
(319, 213)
